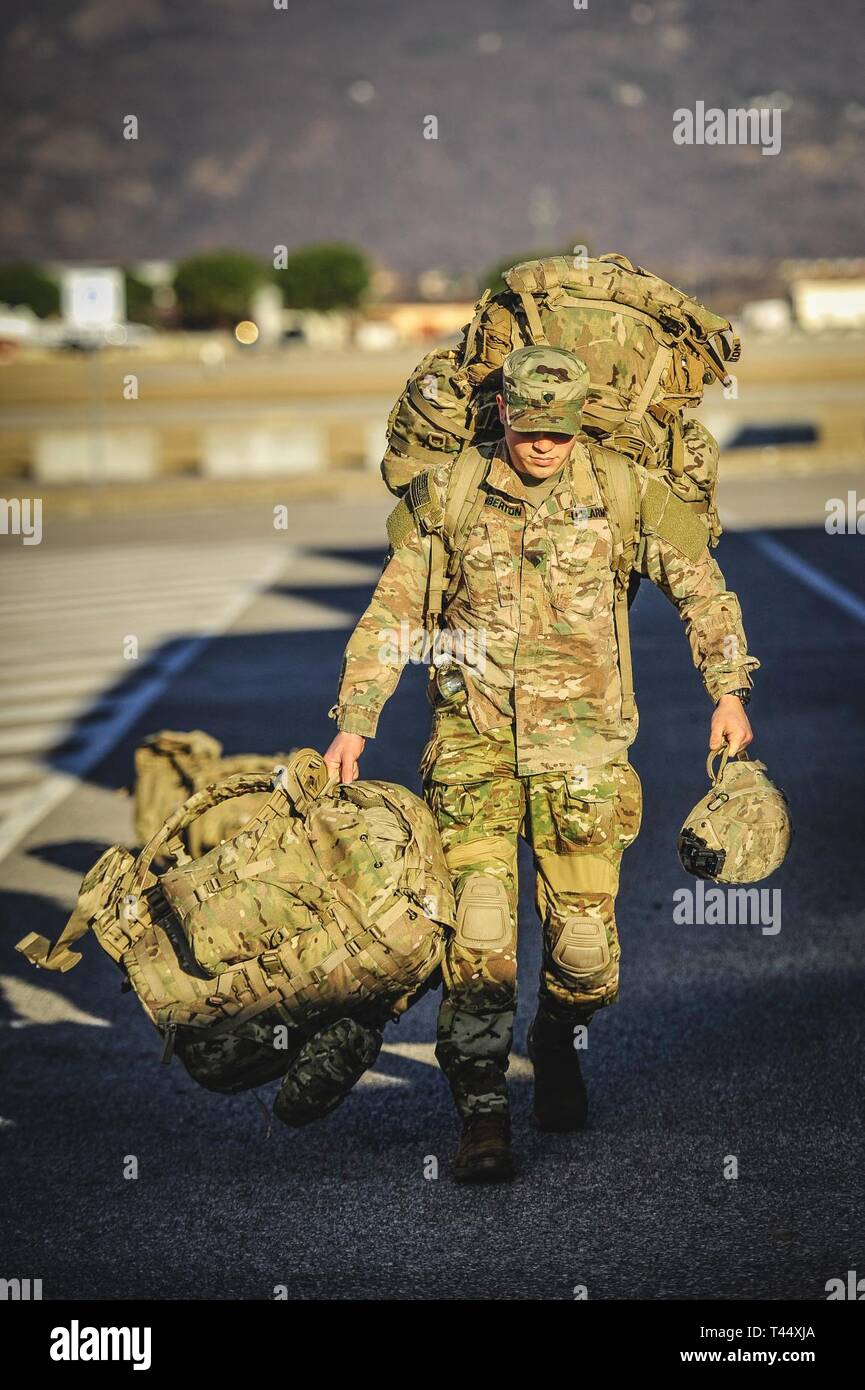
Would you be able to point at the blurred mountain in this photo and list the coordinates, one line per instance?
(260, 126)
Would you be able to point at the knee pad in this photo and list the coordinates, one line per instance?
(484, 914)
(582, 947)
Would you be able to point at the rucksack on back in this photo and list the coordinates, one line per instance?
(650, 350)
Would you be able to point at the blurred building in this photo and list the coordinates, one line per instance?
(827, 294)
(822, 305)
(420, 322)
(768, 316)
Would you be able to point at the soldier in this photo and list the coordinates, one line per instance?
(533, 717)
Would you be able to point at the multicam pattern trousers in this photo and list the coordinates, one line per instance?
(578, 825)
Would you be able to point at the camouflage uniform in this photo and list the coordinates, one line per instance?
(531, 737)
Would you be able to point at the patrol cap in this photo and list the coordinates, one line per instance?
(544, 390)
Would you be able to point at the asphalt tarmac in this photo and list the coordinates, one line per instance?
(733, 1049)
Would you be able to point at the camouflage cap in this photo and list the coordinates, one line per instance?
(544, 389)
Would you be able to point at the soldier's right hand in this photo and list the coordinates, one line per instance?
(342, 756)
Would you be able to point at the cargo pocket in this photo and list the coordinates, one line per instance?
(579, 572)
(454, 807)
(478, 571)
(628, 806)
(575, 590)
(488, 569)
(588, 820)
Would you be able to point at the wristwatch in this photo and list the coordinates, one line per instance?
(744, 694)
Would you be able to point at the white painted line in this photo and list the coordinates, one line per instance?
(119, 555)
(9, 800)
(812, 578)
(43, 712)
(19, 771)
(38, 738)
(87, 683)
(33, 1004)
(102, 600)
(58, 785)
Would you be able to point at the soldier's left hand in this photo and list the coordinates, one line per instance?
(730, 724)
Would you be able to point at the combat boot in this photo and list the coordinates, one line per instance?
(484, 1154)
(561, 1099)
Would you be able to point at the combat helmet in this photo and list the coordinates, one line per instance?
(740, 832)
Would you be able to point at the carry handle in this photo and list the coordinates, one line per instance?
(301, 780)
(237, 785)
(724, 753)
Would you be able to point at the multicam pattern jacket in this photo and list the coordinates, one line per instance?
(529, 618)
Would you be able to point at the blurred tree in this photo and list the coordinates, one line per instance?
(214, 290)
(23, 283)
(329, 276)
(139, 299)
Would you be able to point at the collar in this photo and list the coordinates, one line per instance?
(574, 485)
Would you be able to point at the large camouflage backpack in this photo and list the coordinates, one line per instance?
(170, 766)
(649, 348)
(330, 907)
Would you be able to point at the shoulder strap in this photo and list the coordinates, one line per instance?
(464, 494)
(619, 490)
(462, 505)
(96, 888)
(622, 501)
(471, 331)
